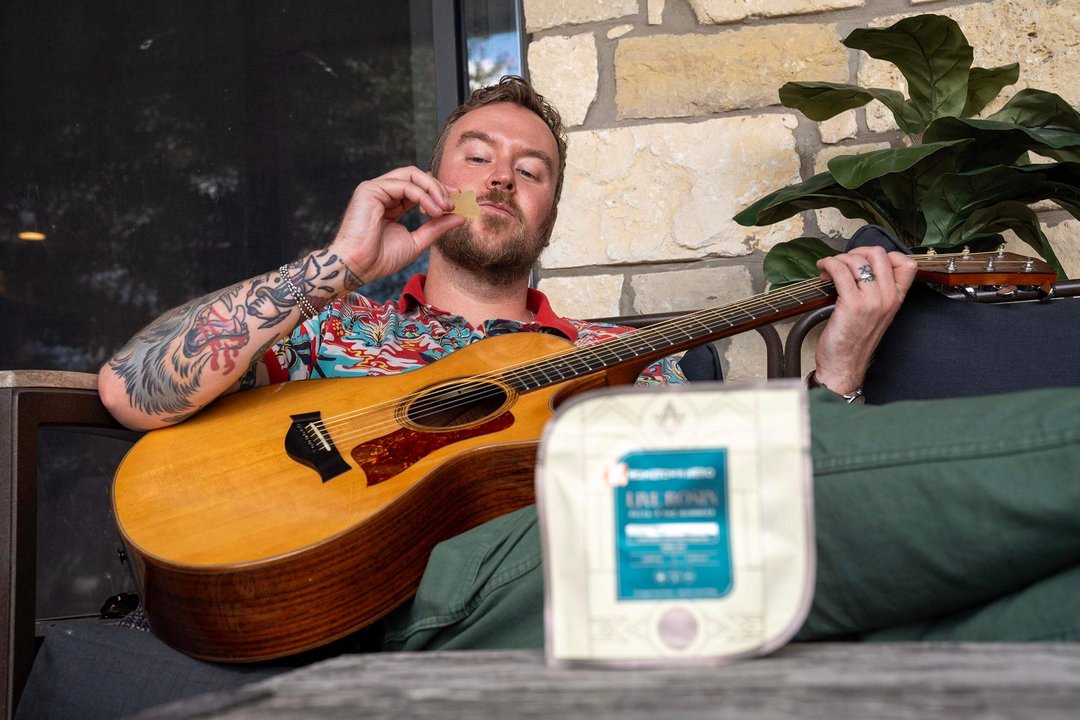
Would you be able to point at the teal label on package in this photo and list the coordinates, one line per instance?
(671, 524)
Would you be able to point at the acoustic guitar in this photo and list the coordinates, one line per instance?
(280, 519)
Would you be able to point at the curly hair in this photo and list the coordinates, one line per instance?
(509, 89)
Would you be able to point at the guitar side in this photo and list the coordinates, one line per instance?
(245, 554)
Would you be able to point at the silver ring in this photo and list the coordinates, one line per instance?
(865, 274)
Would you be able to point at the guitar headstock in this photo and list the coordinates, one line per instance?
(985, 268)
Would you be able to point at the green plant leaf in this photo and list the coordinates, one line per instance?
(1009, 215)
(1057, 182)
(1037, 108)
(902, 176)
(955, 197)
(851, 171)
(823, 100)
(1002, 143)
(984, 84)
(932, 54)
(795, 260)
(820, 191)
(907, 190)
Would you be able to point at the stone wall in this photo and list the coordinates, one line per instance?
(675, 126)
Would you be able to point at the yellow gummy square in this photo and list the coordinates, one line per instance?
(465, 204)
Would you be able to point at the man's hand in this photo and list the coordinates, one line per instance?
(371, 241)
(870, 285)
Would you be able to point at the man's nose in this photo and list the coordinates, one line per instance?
(502, 178)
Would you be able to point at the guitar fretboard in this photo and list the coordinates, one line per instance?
(658, 340)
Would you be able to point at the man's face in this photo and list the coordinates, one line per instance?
(509, 157)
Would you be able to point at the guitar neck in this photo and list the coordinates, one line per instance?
(656, 341)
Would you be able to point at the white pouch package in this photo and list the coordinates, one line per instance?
(677, 524)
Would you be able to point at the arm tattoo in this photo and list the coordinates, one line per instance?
(271, 304)
(314, 273)
(164, 366)
(250, 379)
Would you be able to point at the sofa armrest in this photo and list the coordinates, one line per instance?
(29, 400)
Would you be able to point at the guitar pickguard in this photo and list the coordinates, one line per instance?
(387, 456)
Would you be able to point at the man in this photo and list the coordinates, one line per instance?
(886, 562)
(506, 144)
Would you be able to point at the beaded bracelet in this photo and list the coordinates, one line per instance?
(306, 308)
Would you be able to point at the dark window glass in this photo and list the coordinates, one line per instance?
(166, 149)
(81, 560)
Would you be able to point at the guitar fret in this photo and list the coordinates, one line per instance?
(747, 313)
(704, 326)
(562, 373)
(524, 381)
(604, 349)
(581, 364)
(547, 376)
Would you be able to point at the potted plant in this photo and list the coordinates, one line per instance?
(959, 180)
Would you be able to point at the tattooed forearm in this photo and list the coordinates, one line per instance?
(192, 354)
(251, 379)
(162, 365)
(322, 276)
(352, 280)
(272, 303)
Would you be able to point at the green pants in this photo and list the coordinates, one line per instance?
(942, 520)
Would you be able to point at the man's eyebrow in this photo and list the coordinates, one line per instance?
(485, 138)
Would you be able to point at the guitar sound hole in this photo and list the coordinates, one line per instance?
(456, 404)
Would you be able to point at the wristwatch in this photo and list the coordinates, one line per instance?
(853, 397)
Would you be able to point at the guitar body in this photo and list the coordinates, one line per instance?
(248, 549)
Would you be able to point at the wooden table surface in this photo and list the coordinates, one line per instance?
(819, 680)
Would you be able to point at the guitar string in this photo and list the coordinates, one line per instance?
(643, 336)
(467, 397)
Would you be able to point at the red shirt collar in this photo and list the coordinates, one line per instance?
(536, 302)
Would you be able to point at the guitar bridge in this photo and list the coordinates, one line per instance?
(308, 443)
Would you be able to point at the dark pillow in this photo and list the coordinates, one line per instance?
(701, 364)
(940, 347)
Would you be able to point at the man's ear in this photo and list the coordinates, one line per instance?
(549, 225)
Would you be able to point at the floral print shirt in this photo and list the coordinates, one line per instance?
(356, 337)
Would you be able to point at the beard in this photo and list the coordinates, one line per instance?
(496, 248)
